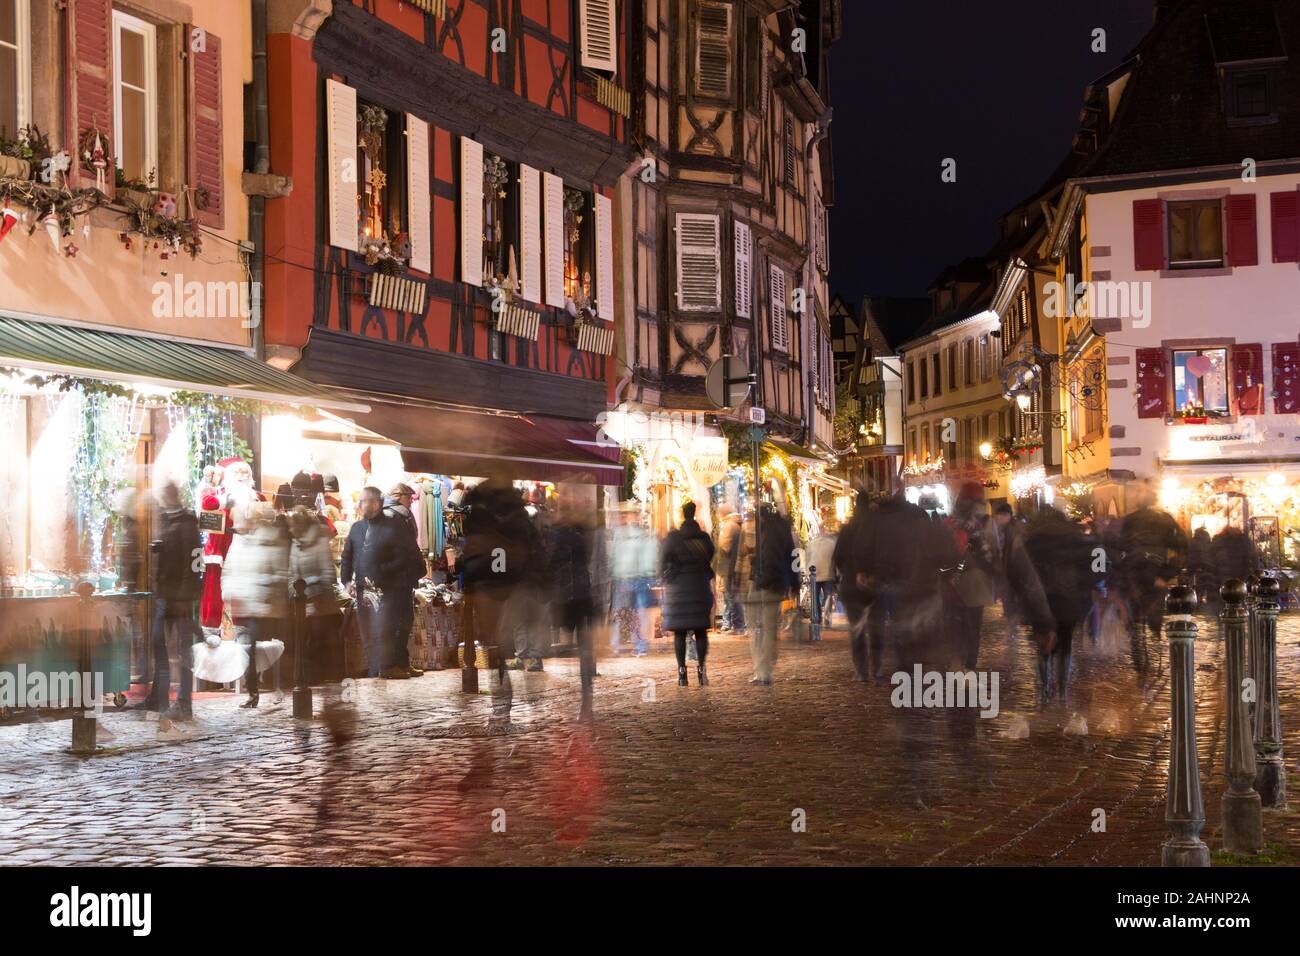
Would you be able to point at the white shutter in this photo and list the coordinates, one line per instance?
(604, 257)
(553, 223)
(417, 193)
(713, 53)
(471, 211)
(744, 270)
(780, 298)
(341, 127)
(599, 32)
(699, 263)
(530, 232)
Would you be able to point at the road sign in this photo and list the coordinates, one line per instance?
(728, 382)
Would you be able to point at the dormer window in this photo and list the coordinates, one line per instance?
(1251, 96)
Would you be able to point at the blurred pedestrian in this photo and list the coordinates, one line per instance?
(821, 562)
(175, 589)
(398, 503)
(568, 560)
(1062, 555)
(1233, 555)
(1200, 561)
(311, 560)
(686, 566)
(1154, 548)
(633, 567)
(376, 570)
(255, 582)
(731, 527)
(770, 571)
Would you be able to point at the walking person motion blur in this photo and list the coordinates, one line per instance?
(850, 561)
(311, 561)
(501, 550)
(568, 559)
(376, 570)
(1062, 555)
(255, 582)
(632, 563)
(725, 563)
(1200, 562)
(1152, 550)
(772, 578)
(686, 566)
(1006, 528)
(175, 589)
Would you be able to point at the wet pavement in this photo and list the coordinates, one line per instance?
(816, 769)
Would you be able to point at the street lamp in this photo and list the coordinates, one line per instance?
(986, 449)
(1023, 401)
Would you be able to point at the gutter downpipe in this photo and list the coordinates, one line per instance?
(257, 207)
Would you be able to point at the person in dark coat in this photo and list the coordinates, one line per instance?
(1062, 555)
(1153, 547)
(175, 589)
(1232, 554)
(397, 503)
(686, 566)
(379, 560)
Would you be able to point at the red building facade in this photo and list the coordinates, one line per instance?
(449, 236)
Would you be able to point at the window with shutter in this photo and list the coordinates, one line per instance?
(1148, 234)
(135, 97)
(713, 51)
(553, 225)
(788, 153)
(780, 303)
(471, 211)
(205, 160)
(744, 270)
(530, 232)
(15, 66)
(341, 157)
(699, 269)
(605, 257)
(1243, 242)
(1285, 214)
(418, 195)
(90, 82)
(599, 25)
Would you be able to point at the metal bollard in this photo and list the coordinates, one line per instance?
(1270, 772)
(85, 729)
(1243, 825)
(302, 704)
(469, 666)
(815, 619)
(1184, 808)
(1252, 641)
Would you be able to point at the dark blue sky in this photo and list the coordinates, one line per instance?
(995, 84)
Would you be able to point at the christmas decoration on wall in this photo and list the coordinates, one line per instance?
(95, 154)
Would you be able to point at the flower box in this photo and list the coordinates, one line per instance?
(11, 167)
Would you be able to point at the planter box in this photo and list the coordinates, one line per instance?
(11, 167)
(1189, 420)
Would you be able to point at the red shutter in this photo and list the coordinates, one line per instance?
(89, 72)
(204, 163)
(1148, 234)
(1247, 364)
(1152, 389)
(1286, 227)
(1286, 378)
(1243, 242)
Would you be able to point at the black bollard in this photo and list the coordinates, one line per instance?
(302, 704)
(1252, 641)
(1243, 825)
(1184, 808)
(469, 666)
(1270, 773)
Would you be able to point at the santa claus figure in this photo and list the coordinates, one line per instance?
(236, 489)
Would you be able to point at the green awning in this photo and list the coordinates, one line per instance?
(53, 346)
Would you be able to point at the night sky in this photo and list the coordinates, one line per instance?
(995, 84)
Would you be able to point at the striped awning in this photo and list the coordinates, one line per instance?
(95, 352)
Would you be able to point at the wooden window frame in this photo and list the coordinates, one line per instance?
(1171, 207)
(22, 48)
(123, 21)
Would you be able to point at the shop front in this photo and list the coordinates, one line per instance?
(93, 423)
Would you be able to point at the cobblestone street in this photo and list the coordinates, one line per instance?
(666, 775)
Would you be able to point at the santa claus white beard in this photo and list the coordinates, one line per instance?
(238, 496)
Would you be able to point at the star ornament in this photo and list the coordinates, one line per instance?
(378, 178)
(71, 250)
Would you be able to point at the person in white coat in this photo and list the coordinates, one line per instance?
(821, 559)
(255, 581)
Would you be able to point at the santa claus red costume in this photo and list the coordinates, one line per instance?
(236, 488)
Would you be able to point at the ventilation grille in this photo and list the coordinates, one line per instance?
(395, 292)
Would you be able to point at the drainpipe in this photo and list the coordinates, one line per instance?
(257, 210)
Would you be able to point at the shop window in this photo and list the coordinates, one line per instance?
(135, 97)
(1195, 234)
(1200, 382)
(579, 244)
(500, 217)
(381, 199)
(15, 68)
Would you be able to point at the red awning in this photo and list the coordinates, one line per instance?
(449, 442)
(584, 436)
